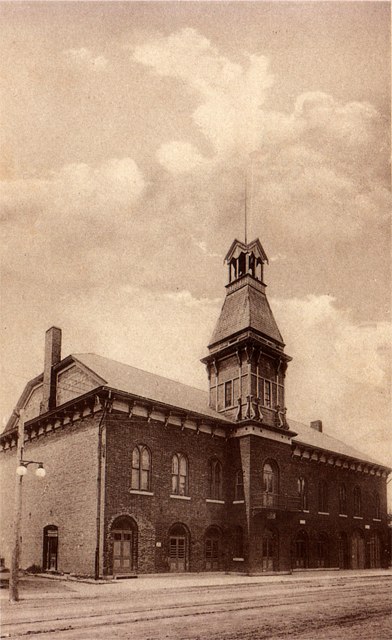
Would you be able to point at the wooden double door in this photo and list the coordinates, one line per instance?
(124, 541)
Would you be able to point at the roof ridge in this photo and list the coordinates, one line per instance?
(131, 366)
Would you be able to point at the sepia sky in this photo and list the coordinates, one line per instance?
(127, 131)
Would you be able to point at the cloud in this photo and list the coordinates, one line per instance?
(341, 369)
(58, 222)
(231, 94)
(180, 157)
(83, 58)
(317, 171)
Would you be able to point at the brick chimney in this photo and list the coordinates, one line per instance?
(52, 357)
(317, 425)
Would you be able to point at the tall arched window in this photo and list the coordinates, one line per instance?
(376, 506)
(342, 499)
(141, 468)
(179, 475)
(323, 497)
(239, 485)
(303, 493)
(357, 502)
(270, 483)
(215, 479)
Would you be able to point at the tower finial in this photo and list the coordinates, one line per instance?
(246, 199)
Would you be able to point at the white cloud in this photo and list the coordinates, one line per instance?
(341, 370)
(231, 93)
(180, 157)
(83, 58)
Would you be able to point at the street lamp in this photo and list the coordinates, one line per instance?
(21, 471)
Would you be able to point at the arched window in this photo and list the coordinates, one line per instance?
(357, 502)
(270, 483)
(215, 479)
(141, 468)
(179, 475)
(342, 499)
(303, 493)
(239, 485)
(323, 496)
(376, 506)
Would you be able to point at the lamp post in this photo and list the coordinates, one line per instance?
(21, 470)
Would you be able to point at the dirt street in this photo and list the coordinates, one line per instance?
(313, 606)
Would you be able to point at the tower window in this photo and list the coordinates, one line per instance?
(229, 393)
(267, 393)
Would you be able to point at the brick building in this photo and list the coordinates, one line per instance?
(145, 474)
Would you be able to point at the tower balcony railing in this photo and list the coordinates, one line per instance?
(275, 502)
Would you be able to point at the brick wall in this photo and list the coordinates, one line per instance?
(155, 514)
(66, 497)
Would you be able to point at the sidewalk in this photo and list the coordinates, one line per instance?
(32, 587)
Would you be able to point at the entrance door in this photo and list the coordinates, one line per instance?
(343, 551)
(50, 548)
(124, 540)
(301, 550)
(213, 549)
(357, 551)
(375, 551)
(269, 551)
(178, 549)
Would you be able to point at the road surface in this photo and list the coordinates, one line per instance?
(303, 606)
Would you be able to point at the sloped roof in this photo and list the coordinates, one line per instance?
(255, 245)
(309, 436)
(151, 386)
(246, 308)
(148, 385)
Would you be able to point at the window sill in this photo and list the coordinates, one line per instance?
(175, 497)
(343, 515)
(358, 517)
(141, 493)
(238, 559)
(376, 519)
(323, 513)
(238, 501)
(305, 510)
(211, 500)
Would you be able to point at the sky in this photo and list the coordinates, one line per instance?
(129, 130)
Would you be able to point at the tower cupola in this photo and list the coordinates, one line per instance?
(246, 363)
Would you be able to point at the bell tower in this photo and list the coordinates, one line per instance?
(246, 363)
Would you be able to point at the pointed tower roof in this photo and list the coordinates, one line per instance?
(246, 306)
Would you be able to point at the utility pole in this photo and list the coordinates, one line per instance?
(14, 574)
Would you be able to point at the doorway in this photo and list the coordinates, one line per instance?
(50, 548)
(124, 541)
(213, 549)
(301, 550)
(357, 550)
(269, 551)
(178, 549)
